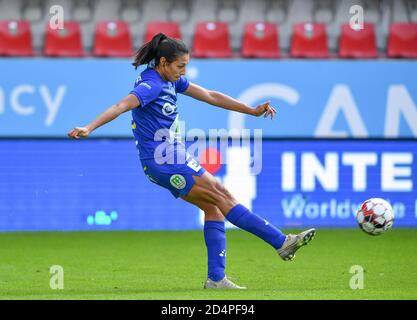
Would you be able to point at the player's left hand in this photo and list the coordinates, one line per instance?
(264, 109)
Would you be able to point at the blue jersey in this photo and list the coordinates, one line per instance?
(156, 121)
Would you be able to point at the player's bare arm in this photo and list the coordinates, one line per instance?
(226, 102)
(128, 103)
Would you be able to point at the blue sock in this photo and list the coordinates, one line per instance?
(215, 238)
(243, 218)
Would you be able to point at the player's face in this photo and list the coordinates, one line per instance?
(174, 70)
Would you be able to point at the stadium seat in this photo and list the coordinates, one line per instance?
(358, 43)
(309, 40)
(64, 42)
(112, 39)
(211, 40)
(402, 40)
(15, 38)
(170, 28)
(260, 40)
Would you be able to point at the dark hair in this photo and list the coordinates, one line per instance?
(160, 46)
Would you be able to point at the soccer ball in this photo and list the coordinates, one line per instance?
(375, 216)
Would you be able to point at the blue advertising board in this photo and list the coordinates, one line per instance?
(99, 184)
(334, 98)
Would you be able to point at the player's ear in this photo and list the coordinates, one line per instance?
(163, 61)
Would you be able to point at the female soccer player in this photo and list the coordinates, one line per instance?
(155, 128)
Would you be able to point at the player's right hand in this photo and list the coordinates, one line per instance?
(264, 109)
(79, 132)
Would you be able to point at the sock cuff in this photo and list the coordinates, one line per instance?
(219, 225)
(236, 213)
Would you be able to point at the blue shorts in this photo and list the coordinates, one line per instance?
(177, 178)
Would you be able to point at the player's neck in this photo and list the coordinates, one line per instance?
(161, 74)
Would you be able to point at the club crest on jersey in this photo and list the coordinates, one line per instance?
(168, 109)
(178, 181)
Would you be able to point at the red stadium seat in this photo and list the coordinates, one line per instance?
(211, 40)
(15, 38)
(170, 28)
(309, 40)
(112, 39)
(260, 40)
(358, 43)
(402, 40)
(64, 42)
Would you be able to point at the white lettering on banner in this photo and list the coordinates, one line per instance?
(359, 163)
(14, 100)
(391, 172)
(400, 107)
(399, 102)
(341, 99)
(297, 207)
(288, 171)
(51, 102)
(260, 92)
(312, 169)
(238, 178)
(399, 209)
(395, 169)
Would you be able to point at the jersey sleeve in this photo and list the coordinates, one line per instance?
(181, 84)
(146, 91)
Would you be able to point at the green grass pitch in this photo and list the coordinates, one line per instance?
(172, 265)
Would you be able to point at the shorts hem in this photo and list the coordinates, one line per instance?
(186, 191)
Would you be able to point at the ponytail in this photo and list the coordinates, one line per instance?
(159, 46)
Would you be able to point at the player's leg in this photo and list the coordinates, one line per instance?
(179, 180)
(208, 190)
(215, 240)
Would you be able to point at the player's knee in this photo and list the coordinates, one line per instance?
(213, 213)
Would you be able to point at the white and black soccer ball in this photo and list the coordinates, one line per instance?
(375, 216)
